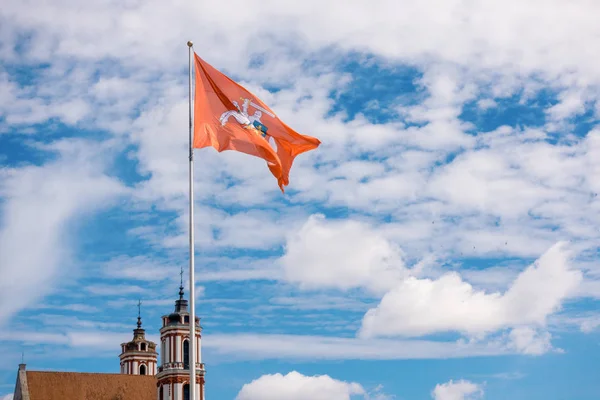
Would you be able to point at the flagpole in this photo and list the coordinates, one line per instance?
(192, 341)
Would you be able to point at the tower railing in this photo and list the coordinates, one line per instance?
(179, 366)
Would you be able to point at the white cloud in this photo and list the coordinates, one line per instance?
(33, 337)
(570, 104)
(79, 308)
(113, 290)
(318, 302)
(422, 306)
(537, 190)
(504, 37)
(311, 347)
(385, 190)
(41, 207)
(67, 338)
(378, 394)
(459, 390)
(7, 397)
(140, 268)
(243, 273)
(295, 386)
(341, 254)
(527, 340)
(589, 324)
(486, 104)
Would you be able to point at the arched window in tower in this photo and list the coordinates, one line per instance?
(186, 392)
(186, 354)
(143, 346)
(142, 369)
(162, 352)
(161, 393)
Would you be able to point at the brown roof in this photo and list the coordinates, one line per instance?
(86, 386)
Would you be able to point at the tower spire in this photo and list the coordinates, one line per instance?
(181, 304)
(139, 321)
(181, 284)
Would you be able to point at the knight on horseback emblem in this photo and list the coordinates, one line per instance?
(241, 115)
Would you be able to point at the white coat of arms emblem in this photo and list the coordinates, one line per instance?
(241, 115)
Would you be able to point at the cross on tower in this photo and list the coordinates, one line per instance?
(139, 322)
(181, 284)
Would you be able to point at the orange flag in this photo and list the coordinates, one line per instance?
(229, 117)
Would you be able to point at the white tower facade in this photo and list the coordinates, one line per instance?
(139, 356)
(173, 377)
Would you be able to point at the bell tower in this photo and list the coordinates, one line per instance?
(139, 356)
(173, 376)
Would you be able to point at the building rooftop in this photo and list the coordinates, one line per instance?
(43, 385)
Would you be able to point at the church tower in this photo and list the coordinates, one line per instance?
(173, 376)
(139, 356)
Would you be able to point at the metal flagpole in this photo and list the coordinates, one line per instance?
(192, 281)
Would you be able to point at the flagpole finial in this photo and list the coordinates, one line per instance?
(190, 43)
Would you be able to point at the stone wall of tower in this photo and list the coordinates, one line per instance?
(172, 344)
(172, 389)
(131, 365)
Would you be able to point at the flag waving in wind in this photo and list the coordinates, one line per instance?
(229, 117)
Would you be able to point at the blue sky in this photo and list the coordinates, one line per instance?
(440, 244)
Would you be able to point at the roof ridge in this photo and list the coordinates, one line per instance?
(86, 373)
